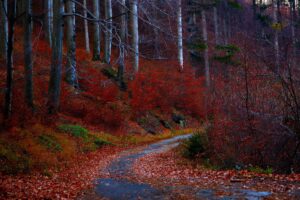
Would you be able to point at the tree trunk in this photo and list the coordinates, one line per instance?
(71, 76)
(179, 31)
(205, 38)
(108, 31)
(12, 11)
(216, 26)
(135, 34)
(4, 29)
(96, 42)
(56, 62)
(48, 24)
(28, 54)
(276, 36)
(121, 68)
(86, 28)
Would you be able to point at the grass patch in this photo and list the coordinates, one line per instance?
(260, 170)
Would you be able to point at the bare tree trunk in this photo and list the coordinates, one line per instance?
(48, 24)
(205, 38)
(56, 62)
(108, 31)
(179, 30)
(276, 36)
(216, 26)
(96, 42)
(86, 28)
(135, 34)
(4, 29)
(121, 68)
(12, 11)
(71, 76)
(28, 55)
(293, 31)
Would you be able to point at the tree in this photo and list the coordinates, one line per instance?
(96, 42)
(86, 28)
(11, 15)
(71, 76)
(28, 54)
(108, 31)
(123, 28)
(179, 36)
(4, 29)
(48, 22)
(135, 34)
(56, 60)
(205, 39)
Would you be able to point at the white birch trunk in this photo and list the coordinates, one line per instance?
(96, 42)
(86, 28)
(108, 31)
(135, 34)
(205, 38)
(179, 29)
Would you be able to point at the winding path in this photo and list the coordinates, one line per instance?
(119, 184)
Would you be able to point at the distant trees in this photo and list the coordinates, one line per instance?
(108, 31)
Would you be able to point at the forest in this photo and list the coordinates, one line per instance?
(149, 99)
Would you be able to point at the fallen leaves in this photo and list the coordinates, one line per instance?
(165, 169)
(65, 184)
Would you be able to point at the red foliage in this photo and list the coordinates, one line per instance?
(165, 89)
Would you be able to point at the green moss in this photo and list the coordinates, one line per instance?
(74, 130)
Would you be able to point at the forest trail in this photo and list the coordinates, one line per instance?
(118, 180)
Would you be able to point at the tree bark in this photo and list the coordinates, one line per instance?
(179, 32)
(4, 29)
(216, 26)
(276, 36)
(28, 55)
(205, 39)
(71, 76)
(12, 11)
(56, 62)
(135, 34)
(121, 68)
(108, 31)
(48, 24)
(86, 28)
(96, 42)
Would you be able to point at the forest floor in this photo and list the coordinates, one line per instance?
(159, 172)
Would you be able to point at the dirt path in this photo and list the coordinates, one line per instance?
(120, 181)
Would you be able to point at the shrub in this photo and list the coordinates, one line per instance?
(74, 130)
(13, 159)
(50, 142)
(260, 170)
(195, 145)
